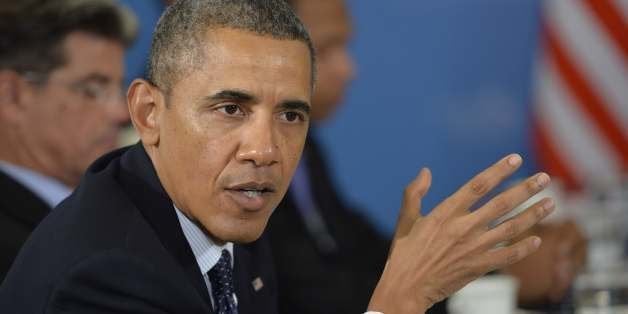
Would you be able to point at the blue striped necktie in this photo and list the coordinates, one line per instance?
(221, 279)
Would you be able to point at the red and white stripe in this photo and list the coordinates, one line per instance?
(581, 91)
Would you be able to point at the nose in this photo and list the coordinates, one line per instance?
(347, 68)
(258, 144)
(117, 109)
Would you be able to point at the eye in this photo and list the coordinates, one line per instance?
(293, 116)
(231, 110)
(90, 90)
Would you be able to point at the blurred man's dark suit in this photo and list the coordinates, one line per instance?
(116, 246)
(20, 212)
(319, 278)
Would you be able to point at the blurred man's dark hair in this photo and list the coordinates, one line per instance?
(32, 31)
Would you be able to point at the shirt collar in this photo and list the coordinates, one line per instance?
(49, 189)
(206, 252)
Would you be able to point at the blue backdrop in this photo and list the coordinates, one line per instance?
(441, 83)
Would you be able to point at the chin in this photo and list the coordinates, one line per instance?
(248, 238)
(241, 232)
(245, 237)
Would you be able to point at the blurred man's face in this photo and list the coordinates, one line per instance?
(75, 116)
(330, 28)
(233, 131)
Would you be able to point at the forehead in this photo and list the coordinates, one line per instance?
(326, 20)
(86, 53)
(240, 59)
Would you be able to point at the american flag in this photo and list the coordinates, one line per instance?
(581, 92)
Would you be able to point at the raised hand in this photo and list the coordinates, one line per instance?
(434, 256)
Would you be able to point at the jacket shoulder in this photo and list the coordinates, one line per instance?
(97, 218)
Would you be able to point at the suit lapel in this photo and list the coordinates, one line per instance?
(20, 203)
(242, 278)
(254, 279)
(143, 187)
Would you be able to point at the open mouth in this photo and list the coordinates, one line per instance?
(253, 188)
(251, 196)
(254, 193)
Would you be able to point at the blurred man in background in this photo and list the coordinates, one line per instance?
(61, 104)
(328, 256)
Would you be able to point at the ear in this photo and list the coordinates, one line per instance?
(146, 105)
(12, 88)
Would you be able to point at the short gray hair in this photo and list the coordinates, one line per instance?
(176, 48)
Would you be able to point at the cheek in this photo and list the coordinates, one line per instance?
(90, 122)
(197, 156)
(217, 143)
(330, 85)
(72, 116)
(58, 127)
(291, 149)
(91, 130)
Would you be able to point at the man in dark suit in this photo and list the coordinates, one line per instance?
(175, 223)
(120, 242)
(59, 110)
(126, 252)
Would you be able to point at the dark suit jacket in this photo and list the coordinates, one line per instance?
(312, 280)
(116, 246)
(20, 212)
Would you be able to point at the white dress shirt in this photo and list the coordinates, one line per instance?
(49, 189)
(206, 252)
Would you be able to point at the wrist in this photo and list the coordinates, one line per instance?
(393, 297)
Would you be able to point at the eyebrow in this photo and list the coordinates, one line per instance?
(232, 94)
(243, 96)
(296, 105)
(95, 77)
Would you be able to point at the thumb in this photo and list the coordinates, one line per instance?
(415, 191)
(411, 206)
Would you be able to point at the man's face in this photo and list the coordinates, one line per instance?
(75, 116)
(330, 28)
(233, 131)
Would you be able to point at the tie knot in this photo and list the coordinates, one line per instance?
(221, 279)
(223, 262)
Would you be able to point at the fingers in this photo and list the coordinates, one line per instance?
(415, 191)
(411, 207)
(477, 187)
(509, 255)
(514, 227)
(506, 201)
